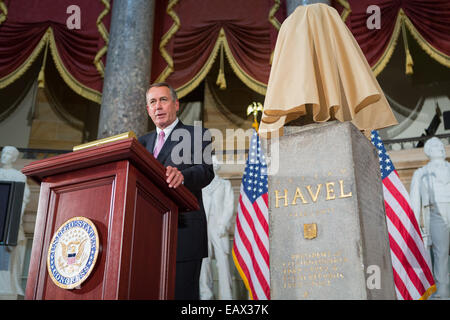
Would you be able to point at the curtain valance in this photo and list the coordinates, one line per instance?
(27, 27)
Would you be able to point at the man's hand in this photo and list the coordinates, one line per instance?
(174, 177)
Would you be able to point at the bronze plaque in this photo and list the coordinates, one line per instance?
(310, 230)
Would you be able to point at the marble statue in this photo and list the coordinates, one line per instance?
(218, 200)
(430, 200)
(13, 256)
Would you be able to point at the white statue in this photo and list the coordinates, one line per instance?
(10, 279)
(218, 200)
(430, 200)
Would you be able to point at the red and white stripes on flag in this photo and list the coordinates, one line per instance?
(410, 260)
(251, 235)
(412, 272)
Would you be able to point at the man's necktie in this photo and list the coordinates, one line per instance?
(159, 144)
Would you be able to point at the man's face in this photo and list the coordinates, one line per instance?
(7, 156)
(437, 151)
(161, 107)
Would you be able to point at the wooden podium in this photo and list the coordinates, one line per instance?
(121, 188)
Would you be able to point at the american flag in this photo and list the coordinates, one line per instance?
(410, 260)
(251, 235)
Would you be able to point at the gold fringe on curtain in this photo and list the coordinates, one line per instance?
(347, 10)
(252, 83)
(195, 81)
(437, 55)
(401, 22)
(105, 35)
(3, 12)
(48, 40)
(73, 83)
(221, 43)
(387, 54)
(274, 21)
(165, 40)
(16, 74)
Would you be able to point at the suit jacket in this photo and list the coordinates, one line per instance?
(186, 150)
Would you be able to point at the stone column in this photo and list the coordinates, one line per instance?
(292, 4)
(127, 73)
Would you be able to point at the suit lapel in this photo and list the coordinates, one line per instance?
(168, 145)
(151, 141)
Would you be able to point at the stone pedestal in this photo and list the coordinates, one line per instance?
(328, 233)
(127, 70)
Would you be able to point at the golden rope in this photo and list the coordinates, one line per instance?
(347, 10)
(4, 12)
(105, 35)
(165, 40)
(387, 54)
(41, 76)
(273, 20)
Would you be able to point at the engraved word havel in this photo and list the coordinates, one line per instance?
(329, 194)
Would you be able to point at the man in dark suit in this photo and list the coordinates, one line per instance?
(185, 151)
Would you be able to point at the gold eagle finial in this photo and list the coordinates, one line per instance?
(254, 108)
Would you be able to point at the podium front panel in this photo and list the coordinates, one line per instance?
(87, 193)
(135, 217)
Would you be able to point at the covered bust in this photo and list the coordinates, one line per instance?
(320, 73)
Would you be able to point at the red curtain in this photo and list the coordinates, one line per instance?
(190, 35)
(32, 26)
(428, 21)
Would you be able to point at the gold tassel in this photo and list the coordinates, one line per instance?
(41, 77)
(221, 82)
(409, 60)
(409, 63)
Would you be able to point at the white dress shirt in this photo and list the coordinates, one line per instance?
(167, 132)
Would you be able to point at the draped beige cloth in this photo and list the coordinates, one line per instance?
(319, 71)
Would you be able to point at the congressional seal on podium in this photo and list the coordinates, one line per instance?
(73, 252)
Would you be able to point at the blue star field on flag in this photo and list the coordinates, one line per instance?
(386, 166)
(255, 174)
